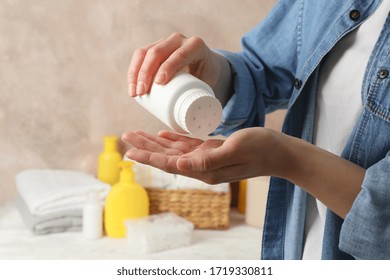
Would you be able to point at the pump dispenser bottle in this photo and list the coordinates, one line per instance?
(126, 200)
(109, 159)
(186, 104)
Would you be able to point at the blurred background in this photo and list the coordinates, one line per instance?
(63, 71)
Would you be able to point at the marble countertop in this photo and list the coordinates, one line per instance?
(239, 242)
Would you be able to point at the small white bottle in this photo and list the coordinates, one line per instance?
(186, 104)
(93, 216)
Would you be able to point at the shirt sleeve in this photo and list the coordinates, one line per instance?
(263, 72)
(365, 233)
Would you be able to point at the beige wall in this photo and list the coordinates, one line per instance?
(63, 71)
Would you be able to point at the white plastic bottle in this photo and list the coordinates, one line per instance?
(93, 216)
(186, 104)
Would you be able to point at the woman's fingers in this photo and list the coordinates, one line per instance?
(181, 146)
(154, 58)
(139, 140)
(191, 51)
(135, 66)
(160, 61)
(162, 161)
(177, 137)
(212, 161)
(169, 164)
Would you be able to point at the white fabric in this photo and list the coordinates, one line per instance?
(47, 191)
(338, 107)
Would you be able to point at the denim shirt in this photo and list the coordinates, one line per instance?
(278, 68)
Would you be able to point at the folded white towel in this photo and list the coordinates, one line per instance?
(69, 220)
(46, 191)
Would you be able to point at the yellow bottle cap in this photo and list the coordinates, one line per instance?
(110, 143)
(127, 174)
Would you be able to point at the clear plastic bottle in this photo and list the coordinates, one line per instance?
(109, 159)
(93, 216)
(186, 104)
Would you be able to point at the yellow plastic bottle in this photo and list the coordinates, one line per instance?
(109, 159)
(126, 200)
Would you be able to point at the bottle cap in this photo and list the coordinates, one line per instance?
(198, 112)
(126, 174)
(110, 143)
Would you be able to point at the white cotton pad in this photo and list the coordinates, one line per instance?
(158, 232)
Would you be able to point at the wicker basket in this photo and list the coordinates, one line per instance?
(204, 208)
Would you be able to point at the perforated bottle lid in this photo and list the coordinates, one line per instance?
(198, 112)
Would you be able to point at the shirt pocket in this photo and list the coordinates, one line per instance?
(378, 98)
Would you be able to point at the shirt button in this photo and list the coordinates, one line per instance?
(383, 73)
(297, 83)
(354, 15)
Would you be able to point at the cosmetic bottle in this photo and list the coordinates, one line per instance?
(109, 159)
(93, 216)
(126, 200)
(186, 104)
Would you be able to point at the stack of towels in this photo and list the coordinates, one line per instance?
(51, 201)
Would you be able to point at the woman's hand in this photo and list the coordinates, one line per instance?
(160, 61)
(247, 153)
